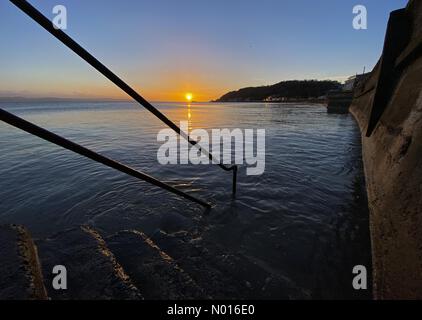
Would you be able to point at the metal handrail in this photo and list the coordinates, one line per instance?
(90, 59)
(69, 145)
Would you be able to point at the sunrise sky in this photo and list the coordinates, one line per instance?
(165, 49)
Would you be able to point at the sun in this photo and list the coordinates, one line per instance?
(189, 96)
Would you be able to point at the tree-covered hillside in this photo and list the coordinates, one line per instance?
(282, 91)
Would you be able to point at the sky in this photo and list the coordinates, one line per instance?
(166, 48)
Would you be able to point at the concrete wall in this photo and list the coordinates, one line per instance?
(393, 166)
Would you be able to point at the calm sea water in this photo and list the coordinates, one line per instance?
(305, 218)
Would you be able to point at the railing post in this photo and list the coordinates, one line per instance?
(234, 181)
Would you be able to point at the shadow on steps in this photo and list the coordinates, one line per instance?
(152, 270)
(130, 266)
(92, 270)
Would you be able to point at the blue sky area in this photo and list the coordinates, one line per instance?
(165, 48)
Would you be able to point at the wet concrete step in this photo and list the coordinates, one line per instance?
(223, 274)
(20, 271)
(92, 270)
(151, 269)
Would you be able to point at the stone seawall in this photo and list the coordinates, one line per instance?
(392, 158)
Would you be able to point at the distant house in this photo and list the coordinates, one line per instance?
(339, 101)
(349, 84)
(275, 99)
(352, 81)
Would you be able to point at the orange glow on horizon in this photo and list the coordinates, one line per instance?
(165, 91)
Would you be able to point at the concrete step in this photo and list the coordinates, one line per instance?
(151, 269)
(92, 270)
(20, 271)
(224, 274)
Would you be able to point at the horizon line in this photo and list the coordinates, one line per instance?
(85, 99)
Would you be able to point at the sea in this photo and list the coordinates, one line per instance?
(305, 218)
